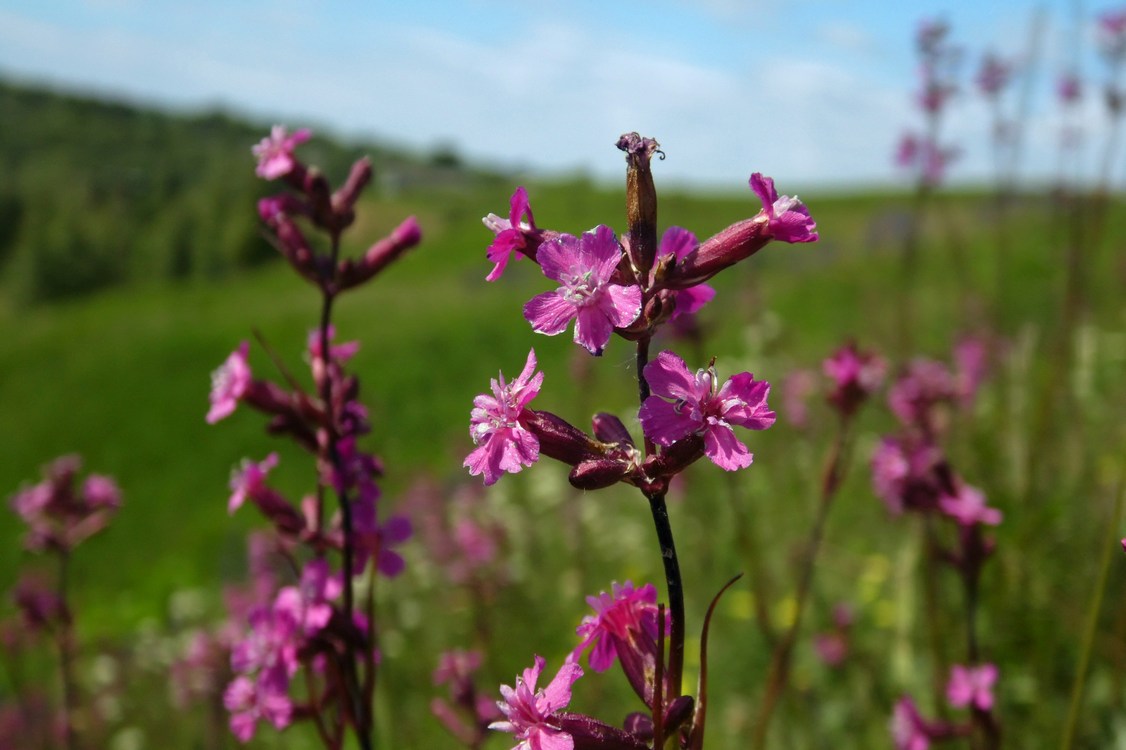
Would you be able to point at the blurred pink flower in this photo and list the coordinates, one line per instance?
(797, 387)
(972, 686)
(249, 479)
(275, 152)
(908, 730)
(993, 75)
(855, 375)
(968, 507)
(228, 384)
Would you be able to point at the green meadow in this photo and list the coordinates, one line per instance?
(121, 374)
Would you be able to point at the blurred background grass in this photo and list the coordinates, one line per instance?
(116, 368)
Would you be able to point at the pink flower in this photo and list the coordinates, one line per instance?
(101, 492)
(971, 359)
(972, 686)
(968, 507)
(583, 266)
(679, 242)
(903, 474)
(855, 374)
(509, 233)
(915, 394)
(249, 701)
(275, 152)
(248, 479)
(308, 602)
(496, 425)
(797, 387)
(529, 713)
(620, 618)
(698, 405)
(993, 75)
(908, 730)
(1068, 88)
(789, 219)
(228, 384)
(1111, 33)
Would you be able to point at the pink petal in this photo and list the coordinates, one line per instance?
(549, 313)
(725, 450)
(764, 189)
(678, 242)
(592, 329)
(621, 304)
(662, 423)
(668, 376)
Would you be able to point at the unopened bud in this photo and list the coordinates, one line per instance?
(559, 439)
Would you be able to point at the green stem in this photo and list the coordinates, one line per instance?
(1087, 645)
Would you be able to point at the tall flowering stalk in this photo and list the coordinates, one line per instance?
(315, 627)
(855, 376)
(60, 515)
(911, 474)
(628, 286)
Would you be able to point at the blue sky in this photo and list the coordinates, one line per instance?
(813, 93)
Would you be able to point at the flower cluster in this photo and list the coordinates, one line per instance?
(629, 285)
(60, 515)
(910, 472)
(315, 622)
(924, 155)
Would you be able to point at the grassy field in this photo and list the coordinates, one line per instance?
(122, 378)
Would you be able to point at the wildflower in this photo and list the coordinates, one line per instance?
(584, 267)
(915, 394)
(855, 375)
(903, 474)
(908, 729)
(678, 243)
(968, 507)
(308, 602)
(700, 406)
(249, 701)
(510, 233)
(530, 714)
(789, 219)
(1111, 32)
(1068, 88)
(249, 479)
(620, 619)
(993, 75)
(275, 152)
(229, 383)
(972, 686)
(497, 427)
(797, 386)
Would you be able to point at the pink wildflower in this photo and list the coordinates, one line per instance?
(971, 359)
(855, 374)
(308, 602)
(275, 152)
(529, 713)
(248, 479)
(679, 242)
(101, 492)
(1111, 33)
(993, 75)
(903, 474)
(509, 233)
(619, 619)
(698, 405)
(972, 686)
(797, 386)
(915, 394)
(1068, 89)
(908, 729)
(496, 425)
(789, 219)
(584, 267)
(228, 384)
(249, 701)
(968, 507)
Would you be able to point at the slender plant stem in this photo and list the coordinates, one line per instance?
(1088, 642)
(783, 651)
(64, 636)
(361, 715)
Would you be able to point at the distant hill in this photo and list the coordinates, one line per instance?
(97, 193)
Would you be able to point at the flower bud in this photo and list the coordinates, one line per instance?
(641, 200)
(559, 439)
(598, 473)
(609, 429)
(737, 242)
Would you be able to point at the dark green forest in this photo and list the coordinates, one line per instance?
(99, 193)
